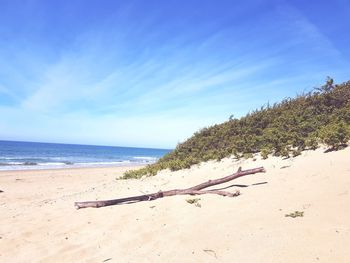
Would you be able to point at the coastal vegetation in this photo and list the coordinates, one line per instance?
(295, 214)
(285, 129)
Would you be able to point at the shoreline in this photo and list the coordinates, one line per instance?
(36, 169)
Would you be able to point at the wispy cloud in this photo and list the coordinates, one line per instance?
(304, 31)
(133, 76)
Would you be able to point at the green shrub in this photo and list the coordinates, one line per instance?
(296, 152)
(312, 142)
(265, 153)
(284, 152)
(247, 155)
(335, 135)
(134, 174)
(282, 129)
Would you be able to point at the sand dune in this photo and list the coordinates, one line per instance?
(38, 222)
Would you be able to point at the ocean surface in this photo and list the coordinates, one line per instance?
(34, 155)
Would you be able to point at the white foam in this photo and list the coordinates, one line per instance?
(51, 163)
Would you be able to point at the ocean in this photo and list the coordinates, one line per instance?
(33, 155)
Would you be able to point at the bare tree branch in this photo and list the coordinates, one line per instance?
(195, 190)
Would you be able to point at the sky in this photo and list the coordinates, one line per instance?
(151, 73)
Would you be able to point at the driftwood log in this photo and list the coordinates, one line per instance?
(195, 190)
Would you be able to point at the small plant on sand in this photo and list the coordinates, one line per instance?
(194, 201)
(295, 214)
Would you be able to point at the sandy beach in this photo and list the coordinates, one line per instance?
(38, 221)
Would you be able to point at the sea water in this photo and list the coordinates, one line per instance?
(33, 155)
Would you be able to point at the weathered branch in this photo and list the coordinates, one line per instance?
(195, 190)
(231, 177)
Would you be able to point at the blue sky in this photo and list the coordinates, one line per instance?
(150, 73)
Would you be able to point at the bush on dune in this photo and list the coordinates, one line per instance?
(283, 129)
(335, 134)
